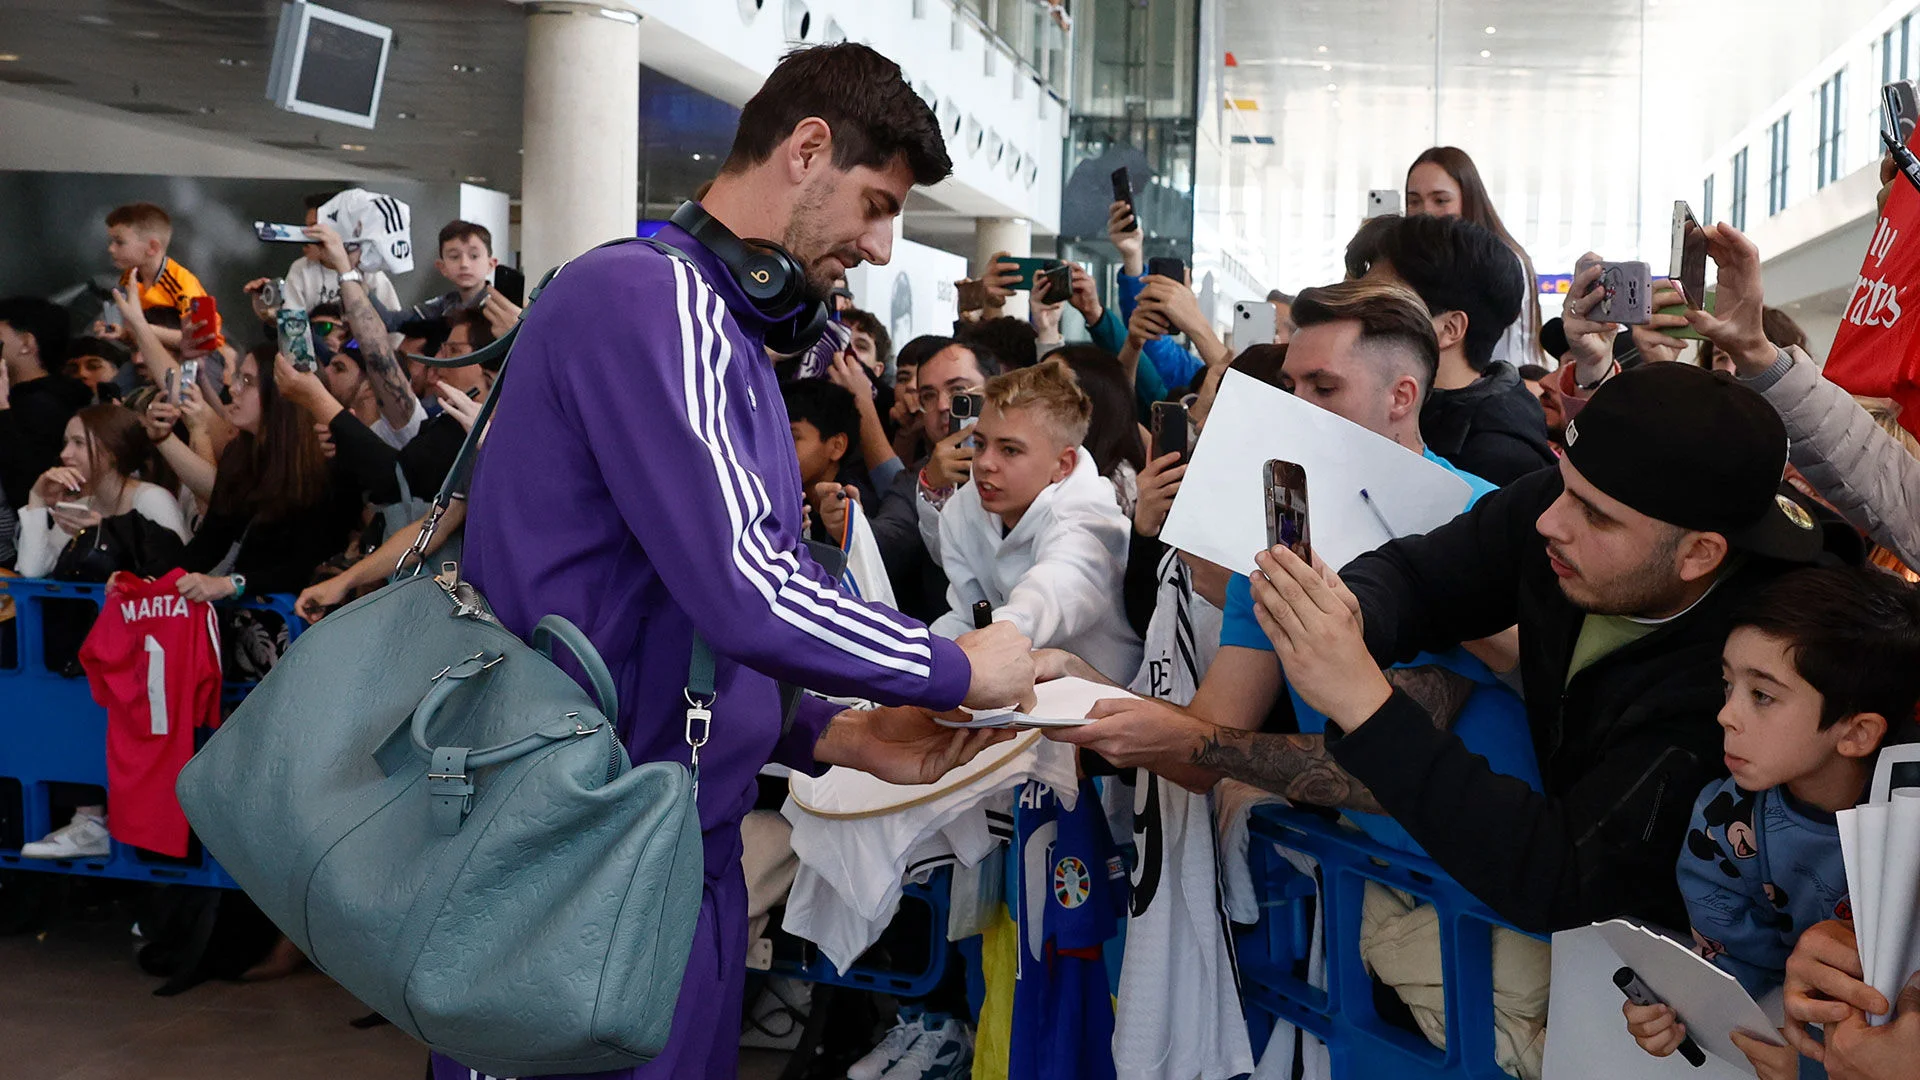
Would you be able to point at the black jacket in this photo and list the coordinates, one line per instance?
(33, 428)
(919, 581)
(1623, 750)
(1492, 428)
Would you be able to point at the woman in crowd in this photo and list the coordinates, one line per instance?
(88, 516)
(275, 508)
(86, 519)
(1445, 182)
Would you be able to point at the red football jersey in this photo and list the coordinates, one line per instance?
(153, 660)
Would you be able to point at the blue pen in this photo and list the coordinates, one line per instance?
(1392, 533)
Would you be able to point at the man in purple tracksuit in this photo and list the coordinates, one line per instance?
(640, 480)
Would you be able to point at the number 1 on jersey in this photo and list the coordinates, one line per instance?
(156, 686)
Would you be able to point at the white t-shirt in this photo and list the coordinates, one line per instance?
(309, 285)
(41, 541)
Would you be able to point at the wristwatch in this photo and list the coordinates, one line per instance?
(354, 275)
(239, 585)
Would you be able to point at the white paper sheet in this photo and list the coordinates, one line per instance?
(1897, 955)
(1220, 513)
(1587, 1038)
(1710, 1002)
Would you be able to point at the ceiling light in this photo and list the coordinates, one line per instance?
(1493, 29)
(1485, 54)
(1326, 67)
(470, 133)
(8, 58)
(403, 116)
(1336, 103)
(476, 179)
(208, 110)
(1333, 86)
(231, 61)
(1322, 48)
(96, 20)
(355, 147)
(467, 69)
(696, 157)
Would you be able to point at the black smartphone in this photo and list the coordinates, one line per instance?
(1123, 192)
(1167, 266)
(511, 284)
(1169, 430)
(1054, 284)
(965, 411)
(1286, 485)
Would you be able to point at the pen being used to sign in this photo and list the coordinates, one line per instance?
(1392, 533)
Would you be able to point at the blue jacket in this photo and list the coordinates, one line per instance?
(1176, 366)
(1757, 869)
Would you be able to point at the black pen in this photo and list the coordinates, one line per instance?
(982, 615)
(1638, 993)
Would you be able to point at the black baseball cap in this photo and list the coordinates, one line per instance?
(1696, 449)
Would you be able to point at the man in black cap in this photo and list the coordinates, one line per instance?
(1620, 568)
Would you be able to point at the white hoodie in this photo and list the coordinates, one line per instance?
(1058, 575)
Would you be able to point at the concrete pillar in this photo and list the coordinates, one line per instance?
(1011, 235)
(581, 130)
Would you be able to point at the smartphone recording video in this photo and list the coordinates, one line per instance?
(1626, 294)
(296, 339)
(1167, 266)
(1169, 430)
(1054, 284)
(1286, 485)
(281, 234)
(1123, 192)
(1689, 255)
(965, 412)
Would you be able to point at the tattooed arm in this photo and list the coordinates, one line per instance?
(391, 388)
(1302, 768)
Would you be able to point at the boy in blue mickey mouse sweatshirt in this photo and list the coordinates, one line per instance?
(1822, 667)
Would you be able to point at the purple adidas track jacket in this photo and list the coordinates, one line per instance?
(640, 480)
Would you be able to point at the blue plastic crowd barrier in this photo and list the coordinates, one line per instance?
(1361, 1044)
(52, 733)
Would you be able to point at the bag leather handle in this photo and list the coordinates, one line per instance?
(557, 628)
(448, 684)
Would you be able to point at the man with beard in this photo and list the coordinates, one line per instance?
(1621, 568)
(640, 480)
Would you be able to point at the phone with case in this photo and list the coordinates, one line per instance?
(1286, 492)
(1254, 323)
(1626, 294)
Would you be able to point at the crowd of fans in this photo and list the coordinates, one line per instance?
(1631, 627)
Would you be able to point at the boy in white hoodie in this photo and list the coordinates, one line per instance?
(1038, 534)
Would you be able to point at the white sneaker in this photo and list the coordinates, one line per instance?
(891, 1049)
(82, 838)
(943, 1050)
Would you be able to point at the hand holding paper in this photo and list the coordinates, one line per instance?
(1220, 513)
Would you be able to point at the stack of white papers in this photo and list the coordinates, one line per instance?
(1881, 843)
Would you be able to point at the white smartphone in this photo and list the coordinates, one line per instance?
(1253, 323)
(1382, 201)
(281, 234)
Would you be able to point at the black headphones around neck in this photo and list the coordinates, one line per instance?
(771, 277)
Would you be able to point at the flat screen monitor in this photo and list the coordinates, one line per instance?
(329, 64)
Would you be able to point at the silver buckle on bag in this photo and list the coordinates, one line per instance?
(699, 726)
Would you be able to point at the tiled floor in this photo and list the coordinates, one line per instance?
(75, 1006)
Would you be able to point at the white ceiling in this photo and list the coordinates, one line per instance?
(1352, 91)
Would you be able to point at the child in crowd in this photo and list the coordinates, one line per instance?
(1038, 534)
(826, 425)
(137, 238)
(466, 259)
(1822, 669)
